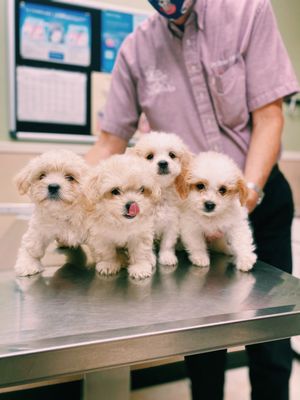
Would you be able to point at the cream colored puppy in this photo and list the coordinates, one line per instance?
(168, 158)
(214, 201)
(53, 183)
(122, 192)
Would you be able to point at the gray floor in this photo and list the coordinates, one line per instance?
(236, 387)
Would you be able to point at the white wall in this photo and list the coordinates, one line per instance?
(137, 4)
(3, 72)
(287, 13)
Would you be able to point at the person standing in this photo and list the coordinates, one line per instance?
(215, 73)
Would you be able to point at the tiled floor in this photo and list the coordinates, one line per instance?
(237, 385)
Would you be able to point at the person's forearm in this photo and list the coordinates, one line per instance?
(264, 147)
(106, 145)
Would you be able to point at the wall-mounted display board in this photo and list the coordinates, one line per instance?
(58, 51)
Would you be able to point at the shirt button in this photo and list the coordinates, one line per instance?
(188, 42)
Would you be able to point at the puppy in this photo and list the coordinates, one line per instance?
(214, 198)
(53, 183)
(168, 158)
(122, 193)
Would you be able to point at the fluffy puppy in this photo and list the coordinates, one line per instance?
(214, 199)
(122, 193)
(53, 183)
(168, 158)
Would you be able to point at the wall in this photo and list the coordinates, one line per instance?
(138, 4)
(287, 13)
(3, 72)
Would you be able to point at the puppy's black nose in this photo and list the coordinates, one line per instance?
(163, 164)
(53, 188)
(209, 206)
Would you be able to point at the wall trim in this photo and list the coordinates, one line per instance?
(8, 147)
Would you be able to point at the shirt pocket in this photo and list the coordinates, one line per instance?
(228, 92)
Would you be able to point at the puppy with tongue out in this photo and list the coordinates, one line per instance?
(131, 209)
(122, 194)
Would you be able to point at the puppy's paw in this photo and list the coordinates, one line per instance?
(140, 271)
(167, 269)
(167, 258)
(245, 262)
(26, 266)
(108, 267)
(200, 259)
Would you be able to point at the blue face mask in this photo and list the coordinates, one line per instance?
(171, 9)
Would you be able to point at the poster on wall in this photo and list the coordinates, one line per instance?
(51, 96)
(53, 34)
(115, 26)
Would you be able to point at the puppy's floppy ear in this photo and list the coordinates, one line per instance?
(90, 187)
(242, 191)
(181, 182)
(23, 179)
(156, 193)
(134, 151)
(130, 151)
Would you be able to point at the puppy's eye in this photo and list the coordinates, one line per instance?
(172, 155)
(42, 176)
(141, 189)
(150, 156)
(223, 190)
(115, 192)
(70, 178)
(200, 186)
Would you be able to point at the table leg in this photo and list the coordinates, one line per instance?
(107, 385)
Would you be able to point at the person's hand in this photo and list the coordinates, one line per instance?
(252, 200)
(106, 145)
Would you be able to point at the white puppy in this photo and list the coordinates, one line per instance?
(122, 192)
(215, 194)
(53, 183)
(168, 158)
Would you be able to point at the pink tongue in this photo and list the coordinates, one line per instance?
(133, 209)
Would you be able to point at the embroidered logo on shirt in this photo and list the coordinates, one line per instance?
(157, 82)
(221, 65)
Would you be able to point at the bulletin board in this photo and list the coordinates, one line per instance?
(61, 57)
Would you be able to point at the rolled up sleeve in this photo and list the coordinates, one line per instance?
(121, 112)
(269, 72)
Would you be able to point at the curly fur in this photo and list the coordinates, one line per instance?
(58, 215)
(116, 182)
(168, 148)
(215, 181)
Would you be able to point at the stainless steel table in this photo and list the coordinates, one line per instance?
(69, 320)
